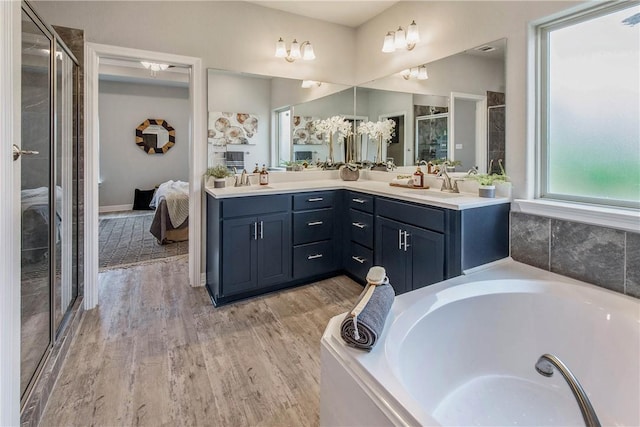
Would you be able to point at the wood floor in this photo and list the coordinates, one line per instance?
(156, 352)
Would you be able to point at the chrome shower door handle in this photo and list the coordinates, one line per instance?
(17, 152)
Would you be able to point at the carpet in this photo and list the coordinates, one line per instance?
(124, 239)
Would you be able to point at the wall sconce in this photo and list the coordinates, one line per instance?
(302, 50)
(398, 40)
(419, 73)
(308, 84)
(154, 67)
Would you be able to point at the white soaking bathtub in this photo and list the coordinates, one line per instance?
(462, 352)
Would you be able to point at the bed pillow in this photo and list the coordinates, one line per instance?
(142, 199)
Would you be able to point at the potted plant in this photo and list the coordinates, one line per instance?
(350, 172)
(333, 126)
(287, 164)
(488, 183)
(217, 174)
(381, 131)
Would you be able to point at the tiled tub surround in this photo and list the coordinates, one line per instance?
(602, 256)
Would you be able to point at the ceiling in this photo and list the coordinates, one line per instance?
(350, 13)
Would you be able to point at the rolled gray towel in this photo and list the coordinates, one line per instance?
(370, 319)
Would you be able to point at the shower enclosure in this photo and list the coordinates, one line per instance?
(48, 153)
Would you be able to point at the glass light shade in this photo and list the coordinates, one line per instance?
(281, 49)
(399, 40)
(388, 45)
(295, 50)
(422, 73)
(308, 53)
(414, 73)
(405, 74)
(413, 36)
(306, 84)
(163, 66)
(146, 64)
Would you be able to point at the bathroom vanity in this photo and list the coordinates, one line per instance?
(265, 238)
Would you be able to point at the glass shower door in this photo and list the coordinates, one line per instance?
(36, 200)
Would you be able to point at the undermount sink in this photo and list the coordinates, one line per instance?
(433, 194)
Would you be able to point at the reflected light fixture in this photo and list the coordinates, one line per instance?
(154, 67)
(398, 39)
(307, 84)
(302, 50)
(419, 73)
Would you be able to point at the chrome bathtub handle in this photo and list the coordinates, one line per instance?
(357, 258)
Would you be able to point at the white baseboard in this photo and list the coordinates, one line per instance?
(115, 208)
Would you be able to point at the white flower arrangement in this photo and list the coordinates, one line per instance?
(332, 125)
(382, 130)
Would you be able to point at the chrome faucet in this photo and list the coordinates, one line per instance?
(448, 185)
(545, 365)
(241, 180)
(473, 171)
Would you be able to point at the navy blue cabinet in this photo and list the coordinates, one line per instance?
(412, 256)
(248, 246)
(358, 227)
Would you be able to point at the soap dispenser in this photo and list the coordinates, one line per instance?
(418, 178)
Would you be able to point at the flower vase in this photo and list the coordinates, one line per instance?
(379, 155)
(349, 174)
(330, 159)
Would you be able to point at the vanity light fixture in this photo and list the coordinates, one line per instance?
(398, 39)
(302, 50)
(154, 67)
(419, 73)
(307, 84)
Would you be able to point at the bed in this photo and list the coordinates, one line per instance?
(171, 220)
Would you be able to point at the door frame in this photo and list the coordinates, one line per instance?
(10, 132)
(197, 157)
(481, 127)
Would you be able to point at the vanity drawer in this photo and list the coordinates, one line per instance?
(255, 205)
(359, 201)
(315, 200)
(358, 261)
(313, 259)
(312, 226)
(361, 227)
(420, 216)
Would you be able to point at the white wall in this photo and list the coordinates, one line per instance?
(123, 165)
(450, 27)
(228, 35)
(244, 94)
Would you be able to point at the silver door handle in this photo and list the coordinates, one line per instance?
(261, 229)
(314, 256)
(358, 224)
(399, 239)
(255, 231)
(358, 201)
(17, 152)
(315, 199)
(314, 223)
(357, 258)
(406, 245)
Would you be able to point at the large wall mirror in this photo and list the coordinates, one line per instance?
(458, 112)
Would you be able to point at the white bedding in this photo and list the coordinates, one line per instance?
(176, 193)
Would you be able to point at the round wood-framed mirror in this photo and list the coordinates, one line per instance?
(155, 136)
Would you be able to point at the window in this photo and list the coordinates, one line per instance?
(589, 105)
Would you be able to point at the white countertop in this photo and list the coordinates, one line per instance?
(307, 181)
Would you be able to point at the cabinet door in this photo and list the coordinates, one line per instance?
(426, 257)
(239, 255)
(274, 249)
(390, 254)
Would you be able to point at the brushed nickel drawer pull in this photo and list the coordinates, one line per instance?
(314, 223)
(315, 199)
(358, 224)
(357, 258)
(314, 256)
(358, 201)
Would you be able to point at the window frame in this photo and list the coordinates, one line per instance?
(542, 32)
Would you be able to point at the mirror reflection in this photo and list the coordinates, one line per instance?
(456, 113)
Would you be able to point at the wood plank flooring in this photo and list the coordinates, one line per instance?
(156, 352)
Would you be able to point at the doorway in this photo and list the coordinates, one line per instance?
(197, 156)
